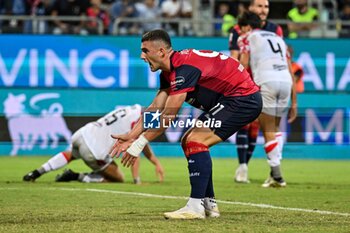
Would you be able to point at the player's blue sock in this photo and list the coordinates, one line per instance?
(210, 188)
(251, 147)
(200, 169)
(242, 145)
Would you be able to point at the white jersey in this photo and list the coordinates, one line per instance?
(97, 135)
(268, 56)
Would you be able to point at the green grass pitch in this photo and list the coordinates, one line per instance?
(314, 187)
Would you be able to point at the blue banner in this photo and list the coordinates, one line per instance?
(114, 62)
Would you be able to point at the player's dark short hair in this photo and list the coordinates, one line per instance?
(157, 34)
(249, 18)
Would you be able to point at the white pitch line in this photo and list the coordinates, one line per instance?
(124, 193)
(267, 206)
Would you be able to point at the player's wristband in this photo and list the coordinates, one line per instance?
(137, 146)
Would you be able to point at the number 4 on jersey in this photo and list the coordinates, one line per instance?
(278, 50)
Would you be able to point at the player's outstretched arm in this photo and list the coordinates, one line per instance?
(153, 159)
(135, 171)
(121, 144)
(293, 111)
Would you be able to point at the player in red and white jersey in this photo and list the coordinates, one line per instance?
(208, 80)
(268, 56)
(91, 143)
(266, 53)
(246, 137)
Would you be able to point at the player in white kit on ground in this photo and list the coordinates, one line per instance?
(266, 53)
(90, 143)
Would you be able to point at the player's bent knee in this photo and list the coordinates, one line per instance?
(114, 178)
(203, 135)
(192, 147)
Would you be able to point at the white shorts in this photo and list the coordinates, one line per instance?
(276, 96)
(81, 151)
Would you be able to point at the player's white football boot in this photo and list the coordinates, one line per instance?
(272, 183)
(185, 213)
(211, 208)
(241, 175)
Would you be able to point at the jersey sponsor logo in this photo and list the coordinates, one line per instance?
(179, 80)
(279, 67)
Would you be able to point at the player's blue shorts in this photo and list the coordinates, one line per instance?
(234, 113)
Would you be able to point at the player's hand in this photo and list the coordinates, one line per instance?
(133, 151)
(122, 143)
(292, 114)
(160, 172)
(128, 159)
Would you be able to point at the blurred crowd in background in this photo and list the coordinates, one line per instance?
(299, 18)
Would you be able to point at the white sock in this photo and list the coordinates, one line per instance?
(92, 178)
(279, 138)
(272, 151)
(56, 162)
(196, 204)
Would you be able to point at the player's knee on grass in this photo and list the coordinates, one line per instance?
(112, 173)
